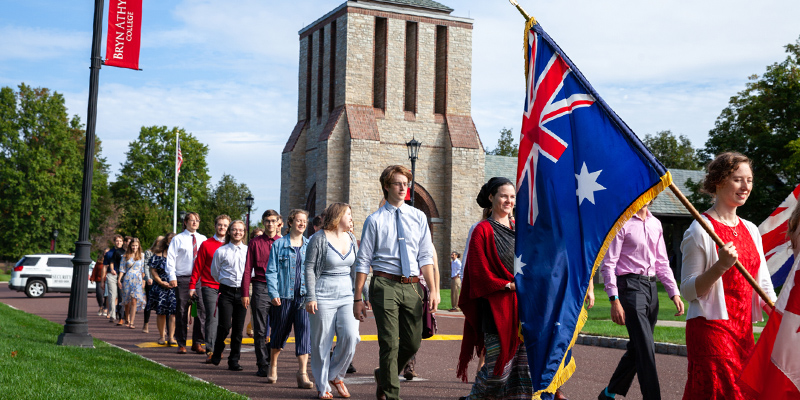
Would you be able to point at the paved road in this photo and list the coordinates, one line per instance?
(435, 363)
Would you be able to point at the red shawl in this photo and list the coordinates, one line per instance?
(486, 277)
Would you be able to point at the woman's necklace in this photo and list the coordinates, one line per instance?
(733, 228)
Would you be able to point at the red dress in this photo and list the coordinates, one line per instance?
(718, 349)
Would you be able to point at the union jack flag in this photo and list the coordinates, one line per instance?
(777, 247)
(541, 107)
(581, 174)
(180, 158)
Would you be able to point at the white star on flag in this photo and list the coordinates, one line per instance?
(518, 264)
(587, 184)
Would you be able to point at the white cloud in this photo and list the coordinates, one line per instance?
(36, 44)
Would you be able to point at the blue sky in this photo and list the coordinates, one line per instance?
(227, 70)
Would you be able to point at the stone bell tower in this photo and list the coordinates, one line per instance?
(373, 74)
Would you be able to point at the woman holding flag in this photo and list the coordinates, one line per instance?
(489, 302)
(722, 305)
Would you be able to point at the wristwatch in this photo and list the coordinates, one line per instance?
(612, 298)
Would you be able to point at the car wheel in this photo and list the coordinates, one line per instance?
(35, 288)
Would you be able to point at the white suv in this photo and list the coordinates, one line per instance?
(37, 274)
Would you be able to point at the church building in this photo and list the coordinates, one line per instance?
(373, 75)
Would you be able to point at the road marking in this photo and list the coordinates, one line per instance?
(364, 338)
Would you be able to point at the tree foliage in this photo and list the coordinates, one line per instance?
(145, 186)
(41, 165)
(673, 152)
(763, 122)
(505, 145)
(227, 197)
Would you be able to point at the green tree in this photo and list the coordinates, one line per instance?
(145, 186)
(227, 197)
(763, 122)
(505, 145)
(41, 165)
(673, 152)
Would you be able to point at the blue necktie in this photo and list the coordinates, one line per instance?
(401, 244)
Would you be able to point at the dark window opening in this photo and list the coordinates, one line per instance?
(320, 58)
(332, 69)
(440, 91)
(410, 103)
(379, 66)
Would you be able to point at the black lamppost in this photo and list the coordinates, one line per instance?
(413, 153)
(76, 328)
(55, 239)
(248, 201)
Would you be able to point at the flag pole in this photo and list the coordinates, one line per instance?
(719, 242)
(175, 204)
(521, 11)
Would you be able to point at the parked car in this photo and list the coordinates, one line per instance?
(37, 274)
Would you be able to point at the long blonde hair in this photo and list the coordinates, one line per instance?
(138, 254)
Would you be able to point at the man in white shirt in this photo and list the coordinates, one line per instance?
(180, 260)
(227, 267)
(455, 280)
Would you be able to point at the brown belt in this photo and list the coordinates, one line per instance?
(396, 278)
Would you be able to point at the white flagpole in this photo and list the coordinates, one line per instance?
(175, 205)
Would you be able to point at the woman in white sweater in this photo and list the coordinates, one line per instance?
(722, 305)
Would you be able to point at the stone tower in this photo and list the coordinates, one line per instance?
(373, 74)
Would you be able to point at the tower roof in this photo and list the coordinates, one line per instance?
(426, 4)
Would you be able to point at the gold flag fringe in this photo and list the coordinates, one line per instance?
(565, 372)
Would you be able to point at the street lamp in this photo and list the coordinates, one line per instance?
(183, 218)
(413, 153)
(55, 240)
(76, 328)
(248, 201)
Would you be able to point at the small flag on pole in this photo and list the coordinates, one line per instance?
(582, 173)
(777, 248)
(180, 157)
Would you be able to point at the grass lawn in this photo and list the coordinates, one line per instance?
(445, 296)
(600, 323)
(32, 366)
(5, 277)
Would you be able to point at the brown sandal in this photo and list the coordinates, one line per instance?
(340, 388)
(326, 395)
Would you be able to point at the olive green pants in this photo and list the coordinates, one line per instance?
(397, 308)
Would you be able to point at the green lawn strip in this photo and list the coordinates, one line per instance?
(666, 334)
(33, 366)
(445, 295)
(5, 277)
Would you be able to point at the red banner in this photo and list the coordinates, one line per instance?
(124, 33)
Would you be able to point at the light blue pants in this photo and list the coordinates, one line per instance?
(334, 316)
(111, 285)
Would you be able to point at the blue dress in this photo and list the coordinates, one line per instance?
(162, 300)
(133, 282)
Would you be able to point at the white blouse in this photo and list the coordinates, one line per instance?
(699, 254)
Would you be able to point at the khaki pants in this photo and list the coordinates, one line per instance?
(455, 291)
(398, 314)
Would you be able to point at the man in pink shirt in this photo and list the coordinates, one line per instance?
(635, 257)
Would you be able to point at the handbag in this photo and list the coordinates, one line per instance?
(429, 326)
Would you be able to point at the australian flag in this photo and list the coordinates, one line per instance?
(581, 174)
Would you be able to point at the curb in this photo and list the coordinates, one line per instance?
(622, 343)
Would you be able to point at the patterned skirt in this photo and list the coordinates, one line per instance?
(513, 383)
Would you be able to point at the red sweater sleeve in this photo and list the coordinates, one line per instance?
(249, 264)
(198, 262)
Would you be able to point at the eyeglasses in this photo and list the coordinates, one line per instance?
(400, 184)
(237, 230)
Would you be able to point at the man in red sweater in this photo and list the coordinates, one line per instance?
(255, 269)
(208, 286)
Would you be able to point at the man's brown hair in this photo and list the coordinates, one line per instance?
(388, 174)
(222, 216)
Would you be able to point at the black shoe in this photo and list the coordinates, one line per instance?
(215, 361)
(235, 367)
(602, 396)
(351, 369)
(262, 372)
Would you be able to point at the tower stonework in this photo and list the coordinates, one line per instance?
(373, 74)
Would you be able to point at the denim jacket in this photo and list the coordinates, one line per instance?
(282, 269)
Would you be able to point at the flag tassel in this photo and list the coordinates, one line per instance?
(719, 243)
